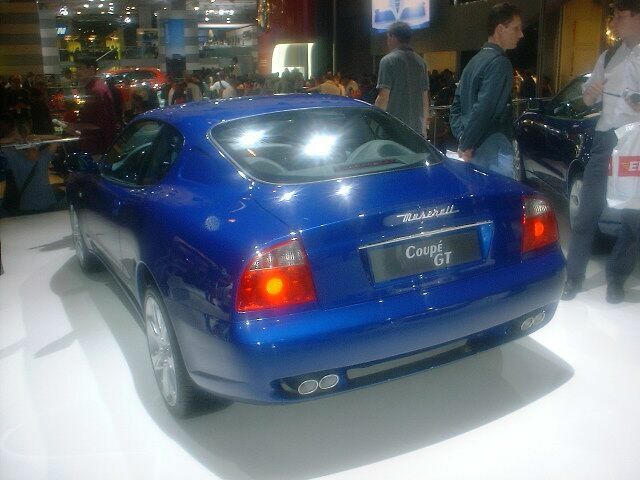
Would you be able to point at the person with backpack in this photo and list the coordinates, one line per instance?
(611, 78)
(222, 88)
(480, 115)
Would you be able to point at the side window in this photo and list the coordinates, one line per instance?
(127, 156)
(164, 153)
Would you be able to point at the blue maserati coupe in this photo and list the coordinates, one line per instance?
(289, 247)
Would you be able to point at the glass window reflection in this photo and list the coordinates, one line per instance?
(302, 146)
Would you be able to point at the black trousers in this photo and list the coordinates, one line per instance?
(593, 199)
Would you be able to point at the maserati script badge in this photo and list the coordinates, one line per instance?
(420, 215)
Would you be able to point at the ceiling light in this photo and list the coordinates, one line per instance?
(127, 19)
(86, 5)
(100, 5)
(196, 8)
(206, 19)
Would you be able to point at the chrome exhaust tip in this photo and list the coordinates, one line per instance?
(532, 321)
(328, 381)
(527, 324)
(308, 387)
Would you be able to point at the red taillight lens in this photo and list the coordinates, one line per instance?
(277, 277)
(539, 225)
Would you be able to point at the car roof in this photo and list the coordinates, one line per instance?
(198, 117)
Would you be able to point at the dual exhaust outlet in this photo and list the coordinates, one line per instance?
(329, 381)
(325, 383)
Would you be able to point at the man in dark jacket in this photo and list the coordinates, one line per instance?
(480, 114)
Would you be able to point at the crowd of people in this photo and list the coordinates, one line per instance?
(97, 105)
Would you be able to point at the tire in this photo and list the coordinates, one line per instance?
(179, 393)
(87, 260)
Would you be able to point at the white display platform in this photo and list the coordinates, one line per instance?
(78, 399)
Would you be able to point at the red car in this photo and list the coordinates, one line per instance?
(138, 75)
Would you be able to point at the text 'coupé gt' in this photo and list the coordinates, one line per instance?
(289, 247)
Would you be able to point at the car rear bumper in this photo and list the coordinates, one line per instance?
(263, 361)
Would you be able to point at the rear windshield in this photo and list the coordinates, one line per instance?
(321, 144)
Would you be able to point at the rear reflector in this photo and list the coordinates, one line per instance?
(277, 277)
(539, 225)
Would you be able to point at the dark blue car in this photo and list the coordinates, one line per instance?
(289, 247)
(553, 145)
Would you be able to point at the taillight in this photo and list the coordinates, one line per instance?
(277, 277)
(539, 225)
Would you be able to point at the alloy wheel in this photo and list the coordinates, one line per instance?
(161, 351)
(518, 170)
(574, 199)
(77, 236)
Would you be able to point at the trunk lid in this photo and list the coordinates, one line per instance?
(372, 236)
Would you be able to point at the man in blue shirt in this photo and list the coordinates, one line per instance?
(480, 113)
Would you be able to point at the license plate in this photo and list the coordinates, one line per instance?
(422, 255)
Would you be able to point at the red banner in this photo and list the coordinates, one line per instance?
(629, 166)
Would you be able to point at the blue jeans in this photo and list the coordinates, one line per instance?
(495, 154)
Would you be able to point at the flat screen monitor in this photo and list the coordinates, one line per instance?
(385, 12)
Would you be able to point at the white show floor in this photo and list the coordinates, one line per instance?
(78, 399)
